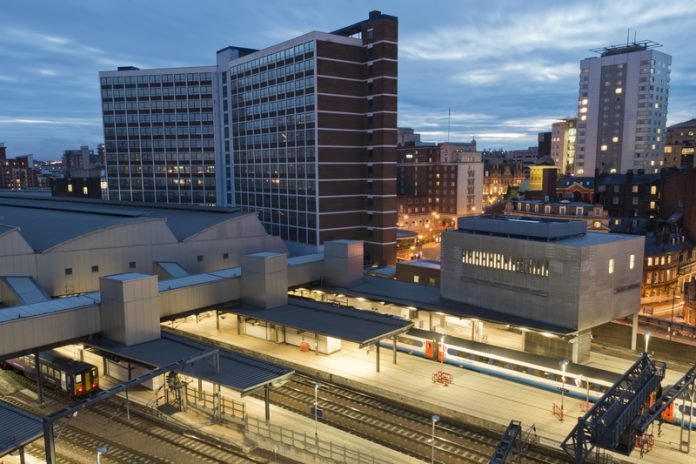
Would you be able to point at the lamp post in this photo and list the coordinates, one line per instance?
(563, 365)
(647, 339)
(316, 409)
(432, 444)
(442, 353)
(100, 451)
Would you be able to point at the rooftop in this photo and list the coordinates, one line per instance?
(17, 428)
(349, 324)
(69, 219)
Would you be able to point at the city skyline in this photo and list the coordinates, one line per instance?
(506, 71)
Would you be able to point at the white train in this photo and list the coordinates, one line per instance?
(585, 383)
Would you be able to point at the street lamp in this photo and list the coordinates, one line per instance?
(563, 365)
(441, 353)
(647, 340)
(316, 409)
(100, 451)
(432, 444)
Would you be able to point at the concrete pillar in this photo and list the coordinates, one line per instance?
(264, 280)
(130, 308)
(343, 263)
(634, 332)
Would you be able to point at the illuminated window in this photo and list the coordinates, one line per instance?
(85, 191)
(69, 187)
(618, 90)
(583, 110)
(583, 118)
(688, 151)
(615, 139)
(657, 105)
(603, 148)
(584, 101)
(416, 279)
(668, 149)
(653, 190)
(631, 261)
(612, 171)
(611, 266)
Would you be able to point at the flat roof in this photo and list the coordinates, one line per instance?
(46, 307)
(428, 298)
(25, 289)
(354, 325)
(71, 219)
(237, 371)
(17, 428)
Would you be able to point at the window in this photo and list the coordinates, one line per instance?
(653, 190)
(611, 265)
(85, 191)
(618, 90)
(634, 189)
(225, 256)
(69, 187)
(650, 261)
(632, 261)
(199, 258)
(416, 279)
(603, 148)
(68, 271)
(95, 268)
(131, 265)
(615, 139)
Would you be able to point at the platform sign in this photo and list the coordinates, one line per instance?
(316, 411)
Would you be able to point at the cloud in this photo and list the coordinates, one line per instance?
(57, 121)
(47, 72)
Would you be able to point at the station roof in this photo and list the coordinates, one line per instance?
(17, 428)
(45, 307)
(349, 324)
(428, 298)
(238, 372)
(25, 289)
(71, 219)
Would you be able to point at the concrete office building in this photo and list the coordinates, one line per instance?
(302, 132)
(563, 137)
(545, 270)
(622, 109)
(159, 134)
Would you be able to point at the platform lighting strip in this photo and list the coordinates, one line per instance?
(530, 266)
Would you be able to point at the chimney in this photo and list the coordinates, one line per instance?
(375, 14)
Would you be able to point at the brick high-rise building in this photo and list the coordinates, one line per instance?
(304, 132)
(563, 137)
(680, 145)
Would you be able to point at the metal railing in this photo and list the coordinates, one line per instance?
(206, 400)
(309, 443)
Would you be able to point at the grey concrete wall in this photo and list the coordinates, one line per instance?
(31, 332)
(343, 263)
(183, 300)
(578, 293)
(264, 280)
(552, 299)
(130, 309)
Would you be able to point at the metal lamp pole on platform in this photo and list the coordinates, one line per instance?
(432, 445)
(563, 364)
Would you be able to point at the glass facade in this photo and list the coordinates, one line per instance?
(269, 126)
(159, 137)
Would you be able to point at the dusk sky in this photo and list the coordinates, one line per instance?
(507, 69)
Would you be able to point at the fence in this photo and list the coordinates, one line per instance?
(321, 449)
(207, 400)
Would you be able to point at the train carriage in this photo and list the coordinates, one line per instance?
(76, 378)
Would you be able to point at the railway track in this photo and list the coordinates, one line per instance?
(394, 425)
(160, 441)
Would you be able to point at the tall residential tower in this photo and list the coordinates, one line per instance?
(622, 109)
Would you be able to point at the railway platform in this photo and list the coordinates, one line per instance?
(472, 397)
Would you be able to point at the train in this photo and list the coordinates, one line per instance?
(582, 382)
(76, 378)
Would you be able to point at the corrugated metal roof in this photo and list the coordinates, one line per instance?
(197, 279)
(334, 321)
(51, 306)
(25, 289)
(239, 372)
(71, 219)
(17, 428)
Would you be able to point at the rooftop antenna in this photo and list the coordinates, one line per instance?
(635, 39)
(628, 35)
(449, 119)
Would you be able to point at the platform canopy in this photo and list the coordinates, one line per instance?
(17, 428)
(354, 325)
(237, 372)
